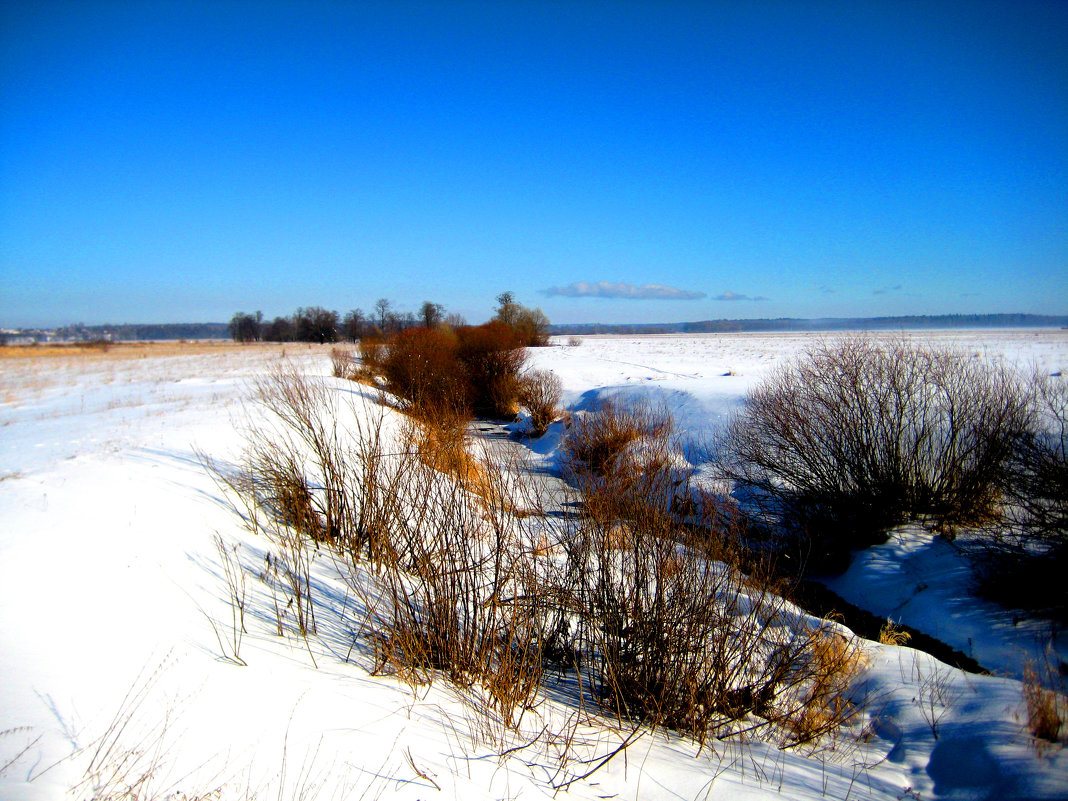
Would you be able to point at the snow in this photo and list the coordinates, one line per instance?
(114, 614)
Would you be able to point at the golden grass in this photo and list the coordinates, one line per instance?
(121, 351)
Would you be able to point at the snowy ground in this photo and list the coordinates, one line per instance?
(111, 598)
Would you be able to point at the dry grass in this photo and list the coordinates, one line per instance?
(121, 351)
(890, 634)
(1047, 709)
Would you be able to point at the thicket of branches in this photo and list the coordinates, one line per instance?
(854, 437)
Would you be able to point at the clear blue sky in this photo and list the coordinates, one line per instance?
(611, 161)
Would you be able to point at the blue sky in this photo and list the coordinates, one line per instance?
(608, 162)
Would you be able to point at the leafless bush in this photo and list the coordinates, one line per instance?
(372, 354)
(540, 392)
(461, 598)
(935, 694)
(1036, 484)
(343, 364)
(670, 629)
(679, 639)
(421, 367)
(493, 360)
(857, 436)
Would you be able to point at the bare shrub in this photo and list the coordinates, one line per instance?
(677, 638)
(857, 436)
(343, 364)
(540, 392)
(671, 630)
(1038, 480)
(1022, 562)
(372, 354)
(461, 599)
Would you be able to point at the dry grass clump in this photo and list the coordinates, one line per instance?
(598, 441)
(890, 634)
(1047, 709)
(540, 392)
(857, 436)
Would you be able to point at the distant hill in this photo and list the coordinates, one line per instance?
(823, 324)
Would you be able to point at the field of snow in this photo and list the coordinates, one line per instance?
(115, 619)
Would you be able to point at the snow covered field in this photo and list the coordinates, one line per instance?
(113, 603)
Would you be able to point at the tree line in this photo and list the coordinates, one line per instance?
(316, 324)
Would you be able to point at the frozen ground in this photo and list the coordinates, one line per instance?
(111, 594)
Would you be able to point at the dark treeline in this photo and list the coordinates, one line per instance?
(824, 324)
(137, 331)
(316, 324)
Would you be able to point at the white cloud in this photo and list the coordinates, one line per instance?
(607, 289)
(728, 295)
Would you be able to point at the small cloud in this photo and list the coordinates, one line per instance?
(607, 289)
(887, 290)
(728, 295)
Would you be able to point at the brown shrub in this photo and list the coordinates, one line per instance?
(372, 353)
(493, 359)
(670, 628)
(422, 368)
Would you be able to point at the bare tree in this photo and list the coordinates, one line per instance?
(431, 314)
(352, 327)
(383, 310)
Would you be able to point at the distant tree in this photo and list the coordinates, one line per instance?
(354, 325)
(316, 324)
(246, 327)
(455, 320)
(431, 314)
(280, 329)
(383, 309)
(507, 308)
(531, 326)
